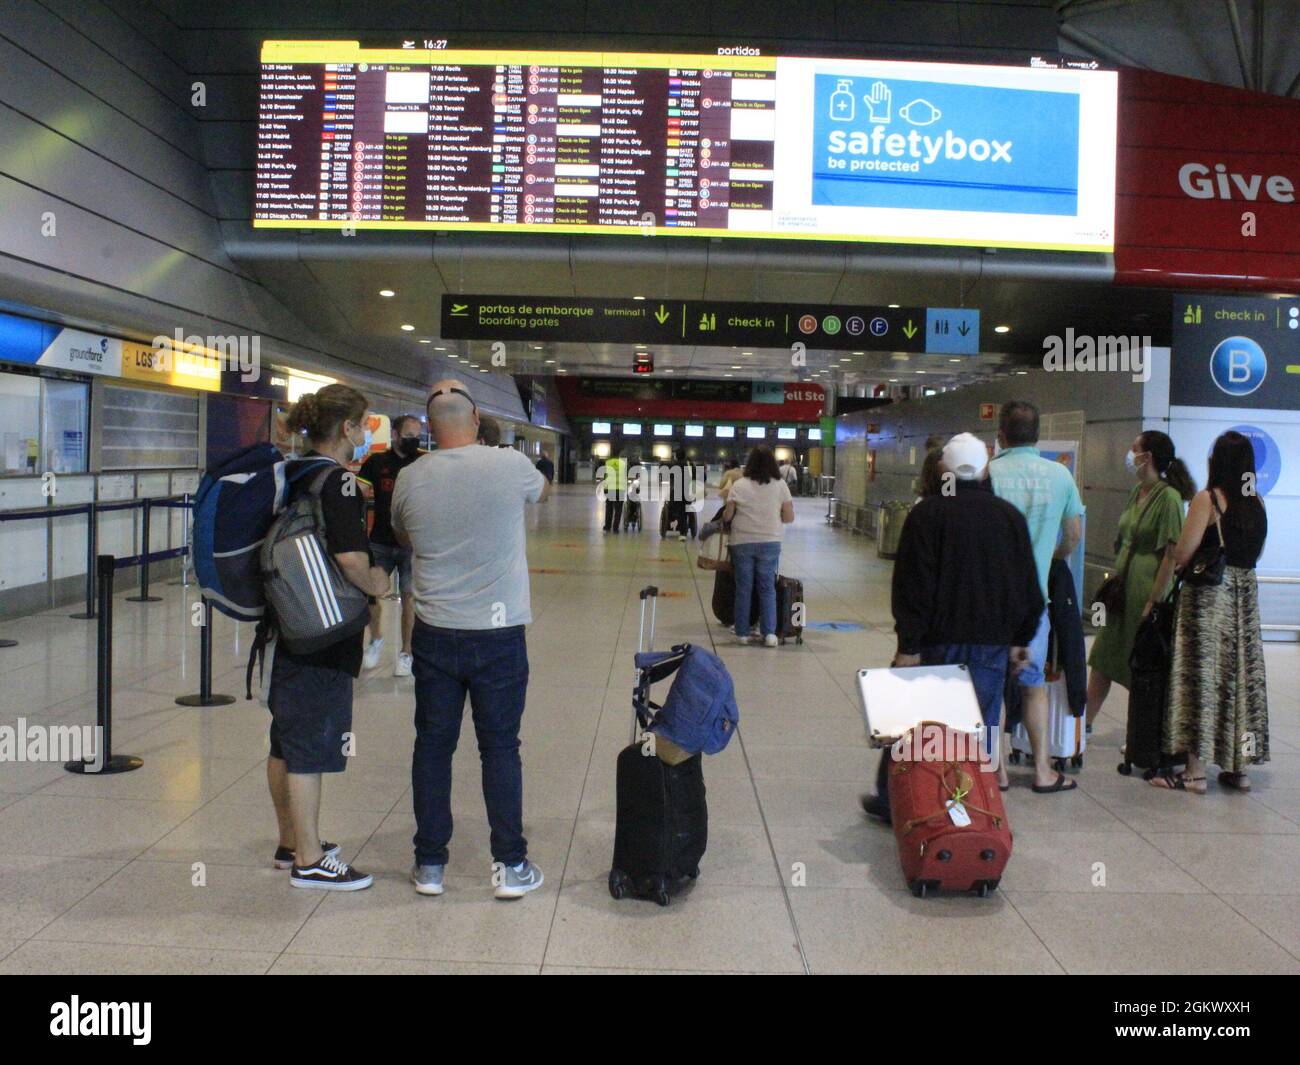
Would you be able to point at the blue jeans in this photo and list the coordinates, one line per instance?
(491, 665)
(988, 672)
(756, 564)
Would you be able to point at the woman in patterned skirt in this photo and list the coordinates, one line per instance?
(1218, 702)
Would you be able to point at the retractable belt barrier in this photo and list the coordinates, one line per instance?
(92, 510)
(105, 761)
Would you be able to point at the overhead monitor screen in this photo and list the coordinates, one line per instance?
(631, 428)
(787, 434)
(695, 430)
(756, 432)
(814, 434)
(663, 430)
(736, 146)
(600, 428)
(725, 431)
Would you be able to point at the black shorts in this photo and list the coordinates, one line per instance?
(311, 715)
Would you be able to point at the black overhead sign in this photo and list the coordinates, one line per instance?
(699, 323)
(1231, 351)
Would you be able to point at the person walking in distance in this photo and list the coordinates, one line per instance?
(1045, 493)
(461, 511)
(311, 694)
(378, 474)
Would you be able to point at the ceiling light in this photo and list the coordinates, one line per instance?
(440, 349)
(387, 293)
(920, 371)
(1002, 329)
(893, 380)
(728, 375)
(537, 347)
(894, 305)
(1022, 373)
(550, 362)
(737, 367)
(408, 328)
(484, 370)
(561, 369)
(954, 360)
(846, 360)
(426, 341)
(747, 353)
(859, 353)
(668, 371)
(638, 297)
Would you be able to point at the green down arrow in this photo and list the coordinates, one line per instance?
(661, 315)
(909, 330)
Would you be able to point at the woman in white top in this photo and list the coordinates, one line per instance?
(758, 505)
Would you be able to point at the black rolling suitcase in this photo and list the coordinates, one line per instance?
(1149, 662)
(662, 823)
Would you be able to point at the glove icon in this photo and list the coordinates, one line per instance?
(878, 102)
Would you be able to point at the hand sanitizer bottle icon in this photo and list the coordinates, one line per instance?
(842, 101)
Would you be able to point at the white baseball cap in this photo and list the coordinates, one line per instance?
(965, 456)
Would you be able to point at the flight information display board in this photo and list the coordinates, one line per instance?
(742, 146)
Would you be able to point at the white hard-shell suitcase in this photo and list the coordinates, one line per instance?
(895, 701)
(1066, 736)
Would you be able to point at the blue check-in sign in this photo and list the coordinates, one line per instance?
(886, 142)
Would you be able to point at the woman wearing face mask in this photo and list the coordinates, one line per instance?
(378, 474)
(1218, 699)
(311, 694)
(1149, 527)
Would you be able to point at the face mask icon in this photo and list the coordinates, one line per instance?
(920, 113)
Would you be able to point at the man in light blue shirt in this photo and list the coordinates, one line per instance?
(1045, 493)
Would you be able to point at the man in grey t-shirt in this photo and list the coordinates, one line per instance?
(461, 511)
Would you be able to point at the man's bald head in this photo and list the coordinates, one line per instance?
(452, 414)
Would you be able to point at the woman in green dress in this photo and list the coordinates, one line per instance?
(1149, 527)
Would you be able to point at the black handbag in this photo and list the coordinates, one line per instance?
(1205, 568)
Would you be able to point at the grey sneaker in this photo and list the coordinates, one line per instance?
(516, 881)
(427, 879)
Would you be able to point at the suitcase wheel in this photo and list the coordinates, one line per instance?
(986, 887)
(920, 888)
(1014, 757)
(1125, 768)
(694, 873)
(660, 892)
(618, 883)
(1058, 764)
(799, 639)
(1076, 762)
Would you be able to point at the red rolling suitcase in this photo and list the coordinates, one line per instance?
(949, 821)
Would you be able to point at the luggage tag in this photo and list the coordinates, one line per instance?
(958, 813)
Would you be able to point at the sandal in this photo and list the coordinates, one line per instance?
(1178, 782)
(1062, 783)
(1235, 781)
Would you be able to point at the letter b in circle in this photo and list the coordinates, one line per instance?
(1238, 366)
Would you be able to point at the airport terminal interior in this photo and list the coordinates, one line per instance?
(650, 253)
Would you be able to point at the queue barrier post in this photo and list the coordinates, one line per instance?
(92, 549)
(105, 761)
(144, 596)
(204, 696)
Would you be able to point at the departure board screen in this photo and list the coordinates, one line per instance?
(735, 146)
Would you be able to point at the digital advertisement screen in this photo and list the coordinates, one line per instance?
(740, 146)
(663, 430)
(787, 434)
(695, 430)
(814, 434)
(600, 428)
(631, 428)
(725, 431)
(756, 432)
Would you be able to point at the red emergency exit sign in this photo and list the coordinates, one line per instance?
(643, 363)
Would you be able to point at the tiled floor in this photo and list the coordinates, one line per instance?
(101, 874)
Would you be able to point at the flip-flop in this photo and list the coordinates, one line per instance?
(1233, 781)
(1177, 782)
(1062, 783)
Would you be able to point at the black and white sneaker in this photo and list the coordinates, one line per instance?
(330, 874)
(284, 855)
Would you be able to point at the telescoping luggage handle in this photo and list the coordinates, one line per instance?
(651, 593)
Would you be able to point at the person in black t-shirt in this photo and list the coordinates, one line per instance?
(311, 694)
(546, 467)
(379, 474)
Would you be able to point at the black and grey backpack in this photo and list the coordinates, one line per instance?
(313, 604)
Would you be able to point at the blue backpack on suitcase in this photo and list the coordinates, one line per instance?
(233, 511)
(700, 713)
